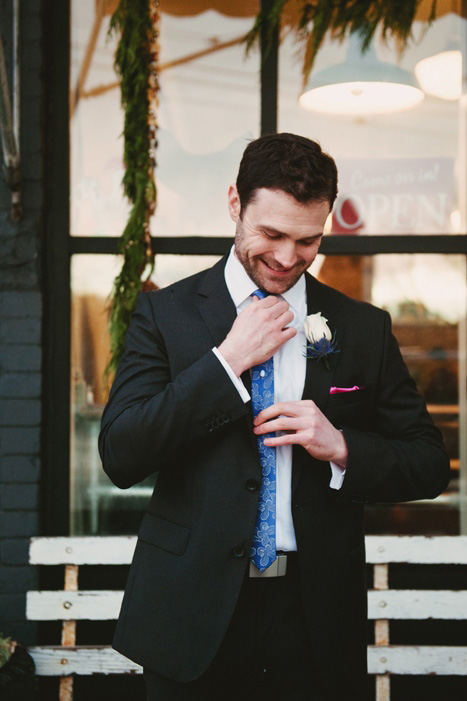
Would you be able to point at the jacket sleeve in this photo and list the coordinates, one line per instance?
(403, 457)
(153, 419)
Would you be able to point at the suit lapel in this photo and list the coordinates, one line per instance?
(318, 379)
(215, 304)
(217, 308)
(219, 313)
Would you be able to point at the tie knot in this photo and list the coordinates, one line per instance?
(260, 294)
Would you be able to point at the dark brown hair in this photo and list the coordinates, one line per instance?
(288, 162)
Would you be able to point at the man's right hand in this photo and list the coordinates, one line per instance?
(257, 333)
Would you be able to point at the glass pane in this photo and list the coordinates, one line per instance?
(426, 297)
(399, 173)
(209, 109)
(97, 507)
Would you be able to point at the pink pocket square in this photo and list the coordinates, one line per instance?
(339, 390)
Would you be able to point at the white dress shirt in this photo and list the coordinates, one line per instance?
(289, 380)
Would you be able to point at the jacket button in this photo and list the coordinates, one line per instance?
(238, 551)
(225, 418)
(252, 485)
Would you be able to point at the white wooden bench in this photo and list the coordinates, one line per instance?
(384, 659)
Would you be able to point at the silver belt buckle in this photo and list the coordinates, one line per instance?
(277, 569)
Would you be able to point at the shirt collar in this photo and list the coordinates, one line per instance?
(241, 286)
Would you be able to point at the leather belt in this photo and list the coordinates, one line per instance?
(277, 569)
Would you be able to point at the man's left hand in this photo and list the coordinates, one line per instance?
(304, 424)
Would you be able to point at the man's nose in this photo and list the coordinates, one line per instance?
(286, 254)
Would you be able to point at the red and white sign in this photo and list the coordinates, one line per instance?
(395, 196)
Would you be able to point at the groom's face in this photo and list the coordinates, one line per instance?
(277, 238)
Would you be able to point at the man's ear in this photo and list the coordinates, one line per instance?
(234, 203)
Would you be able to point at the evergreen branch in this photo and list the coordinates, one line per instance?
(135, 61)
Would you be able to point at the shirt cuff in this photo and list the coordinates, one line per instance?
(338, 474)
(241, 389)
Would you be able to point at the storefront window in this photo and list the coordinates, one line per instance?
(400, 173)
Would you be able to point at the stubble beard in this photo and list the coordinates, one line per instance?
(252, 268)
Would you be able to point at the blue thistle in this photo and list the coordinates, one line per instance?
(322, 349)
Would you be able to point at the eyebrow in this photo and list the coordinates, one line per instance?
(272, 230)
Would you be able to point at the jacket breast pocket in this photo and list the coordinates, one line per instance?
(353, 397)
(353, 409)
(163, 534)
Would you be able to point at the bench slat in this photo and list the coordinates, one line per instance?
(118, 550)
(58, 661)
(396, 659)
(417, 550)
(418, 660)
(417, 605)
(92, 550)
(391, 604)
(73, 605)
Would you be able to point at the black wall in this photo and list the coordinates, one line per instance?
(21, 307)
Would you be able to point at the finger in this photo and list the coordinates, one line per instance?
(268, 301)
(285, 317)
(282, 423)
(275, 305)
(285, 439)
(287, 333)
(273, 411)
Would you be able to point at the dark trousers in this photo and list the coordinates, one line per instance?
(266, 653)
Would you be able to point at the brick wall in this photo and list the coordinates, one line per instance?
(20, 335)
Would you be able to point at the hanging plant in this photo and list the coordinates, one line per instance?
(338, 17)
(136, 61)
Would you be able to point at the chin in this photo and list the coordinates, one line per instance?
(282, 285)
(276, 287)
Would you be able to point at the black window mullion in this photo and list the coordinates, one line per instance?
(56, 262)
(269, 76)
(362, 245)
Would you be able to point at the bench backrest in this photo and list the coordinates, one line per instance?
(384, 604)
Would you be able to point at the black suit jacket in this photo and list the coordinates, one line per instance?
(174, 410)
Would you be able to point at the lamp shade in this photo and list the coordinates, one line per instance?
(361, 85)
(441, 75)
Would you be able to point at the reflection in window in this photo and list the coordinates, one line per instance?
(425, 295)
(97, 507)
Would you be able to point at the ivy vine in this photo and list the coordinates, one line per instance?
(136, 61)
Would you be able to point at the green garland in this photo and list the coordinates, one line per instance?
(5, 649)
(136, 63)
(339, 17)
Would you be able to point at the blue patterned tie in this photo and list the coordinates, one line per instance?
(263, 546)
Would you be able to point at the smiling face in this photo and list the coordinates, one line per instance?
(277, 238)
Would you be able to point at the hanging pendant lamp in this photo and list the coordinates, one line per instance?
(361, 85)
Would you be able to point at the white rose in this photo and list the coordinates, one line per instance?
(316, 328)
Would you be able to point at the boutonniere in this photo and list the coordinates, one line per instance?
(321, 342)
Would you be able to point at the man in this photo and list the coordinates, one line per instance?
(248, 576)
